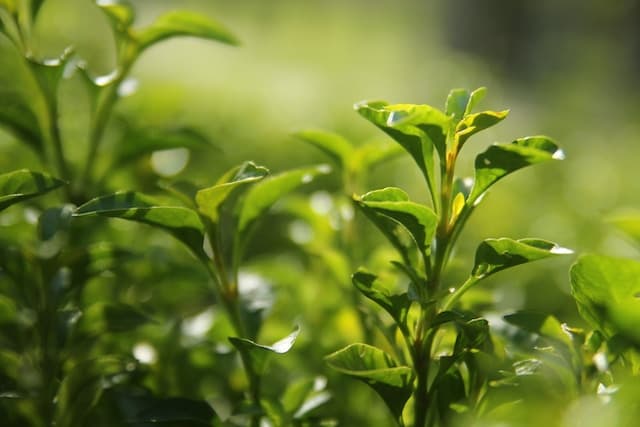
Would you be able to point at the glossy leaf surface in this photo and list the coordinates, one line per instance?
(396, 305)
(376, 368)
(494, 255)
(477, 122)
(24, 184)
(257, 356)
(182, 223)
(607, 291)
(500, 160)
(183, 23)
(419, 220)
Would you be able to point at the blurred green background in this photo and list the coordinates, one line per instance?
(569, 69)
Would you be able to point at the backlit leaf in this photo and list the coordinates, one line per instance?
(376, 368)
(474, 123)
(494, 255)
(184, 224)
(257, 356)
(183, 23)
(334, 145)
(502, 159)
(24, 184)
(543, 324)
(396, 305)
(120, 13)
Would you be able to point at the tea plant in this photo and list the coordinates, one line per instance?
(441, 369)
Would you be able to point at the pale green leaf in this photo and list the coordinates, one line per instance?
(334, 145)
(476, 122)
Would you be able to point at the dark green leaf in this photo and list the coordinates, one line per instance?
(502, 159)
(209, 200)
(184, 224)
(474, 123)
(419, 220)
(494, 255)
(376, 368)
(183, 23)
(170, 411)
(607, 291)
(82, 387)
(396, 305)
(540, 323)
(21, 122)
(257, 356)
(53, 220)
(108, 317)
(139, 142)
(24, 184)
(334, 145)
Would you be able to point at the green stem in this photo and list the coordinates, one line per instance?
(457, 294)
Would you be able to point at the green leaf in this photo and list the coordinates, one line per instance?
(119, 12)
(258, 356)
(417, 128)
(24, 184)
(419, 220)
(542, 324)
(376, 368)
(494, 255)
(474, 99)
(474, 123)
(183, 23)
(210, 200)
(628, 223)
(82, 388)
(148, 410)
(456, 104)
(334, 145)
(139, 142)
(396, 305)
(373, 154)
(113, 318)
(49, 72)
(296, 394)
(184, 224)
(264, 194)
(54, 220)
(607, 292)
(21, 122)
(500, 160)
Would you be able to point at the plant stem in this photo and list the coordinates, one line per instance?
(455, 296)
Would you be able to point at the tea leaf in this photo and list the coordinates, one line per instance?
(474, 123)
(334, 145)
(183, 23)
(109, 317)
(257, 356)
(500, 160)
(545, 325)
(494, 255)
(24, 184)
(456, 104)
(376, 368)
(607, 291)
(149, 410)
(629, 224)
(419, 220)
(396, 305)
(184, 224)
(119, 12)
(21, 122)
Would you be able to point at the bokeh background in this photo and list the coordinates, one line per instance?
(567, 69)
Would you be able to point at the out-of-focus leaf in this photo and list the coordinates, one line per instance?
(628, 223)
(209, 200)
(376, 368)
(24, 184)
(21, 122)
(494, 255)
(183, 23)
(264, 194)
(607, 291)
(172, 411)
(94, 259)
(53, 220)
(257, 356)
(543, 324)
(184, 191)
(184, 224)
(502, 159)
(119, 12)
(139, 142)
(334, 145)
(82, 388)
(396, 305)
(419, 220)
(49, 72)
(295, 394)
(373, 154)
(8, 310)
(109, 317)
